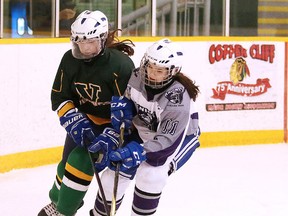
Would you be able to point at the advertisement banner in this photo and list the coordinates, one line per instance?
(241, 84)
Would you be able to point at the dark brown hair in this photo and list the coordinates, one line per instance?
(189, 85)
(125, 46)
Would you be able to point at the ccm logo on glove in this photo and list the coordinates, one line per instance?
(122, 110)
(119, 104)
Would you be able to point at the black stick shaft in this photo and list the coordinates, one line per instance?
(99, 183)
(117, 170)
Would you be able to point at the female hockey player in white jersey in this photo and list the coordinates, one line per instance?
(161, 100)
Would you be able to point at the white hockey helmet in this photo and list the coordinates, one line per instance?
(89, 26)
(163, 53)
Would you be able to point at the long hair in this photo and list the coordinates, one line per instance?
(189, 85)
(125, 46)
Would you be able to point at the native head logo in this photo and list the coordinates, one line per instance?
(175, 95)
(239, 70)
(148, 117)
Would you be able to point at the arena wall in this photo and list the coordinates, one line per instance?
(243, 100)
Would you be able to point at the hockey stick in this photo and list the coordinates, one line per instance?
(98, 182)
(116, 178)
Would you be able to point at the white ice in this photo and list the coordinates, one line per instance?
(221, 181)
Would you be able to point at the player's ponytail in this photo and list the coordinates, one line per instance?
(125, 46)
(189, 85)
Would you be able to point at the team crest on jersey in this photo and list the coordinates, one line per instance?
(89, 93)
(175, 95)
(149, 118)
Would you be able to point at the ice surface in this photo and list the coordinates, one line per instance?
(221, 181)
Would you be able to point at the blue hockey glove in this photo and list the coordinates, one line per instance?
(104, 144)
(78, 127)
(130, 156)
(122, 110)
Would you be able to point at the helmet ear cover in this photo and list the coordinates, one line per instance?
(163, 53)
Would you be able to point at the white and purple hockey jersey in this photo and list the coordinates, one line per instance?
(166, 121)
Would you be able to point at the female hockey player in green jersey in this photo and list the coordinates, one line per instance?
(96, 68)
(161, 99)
